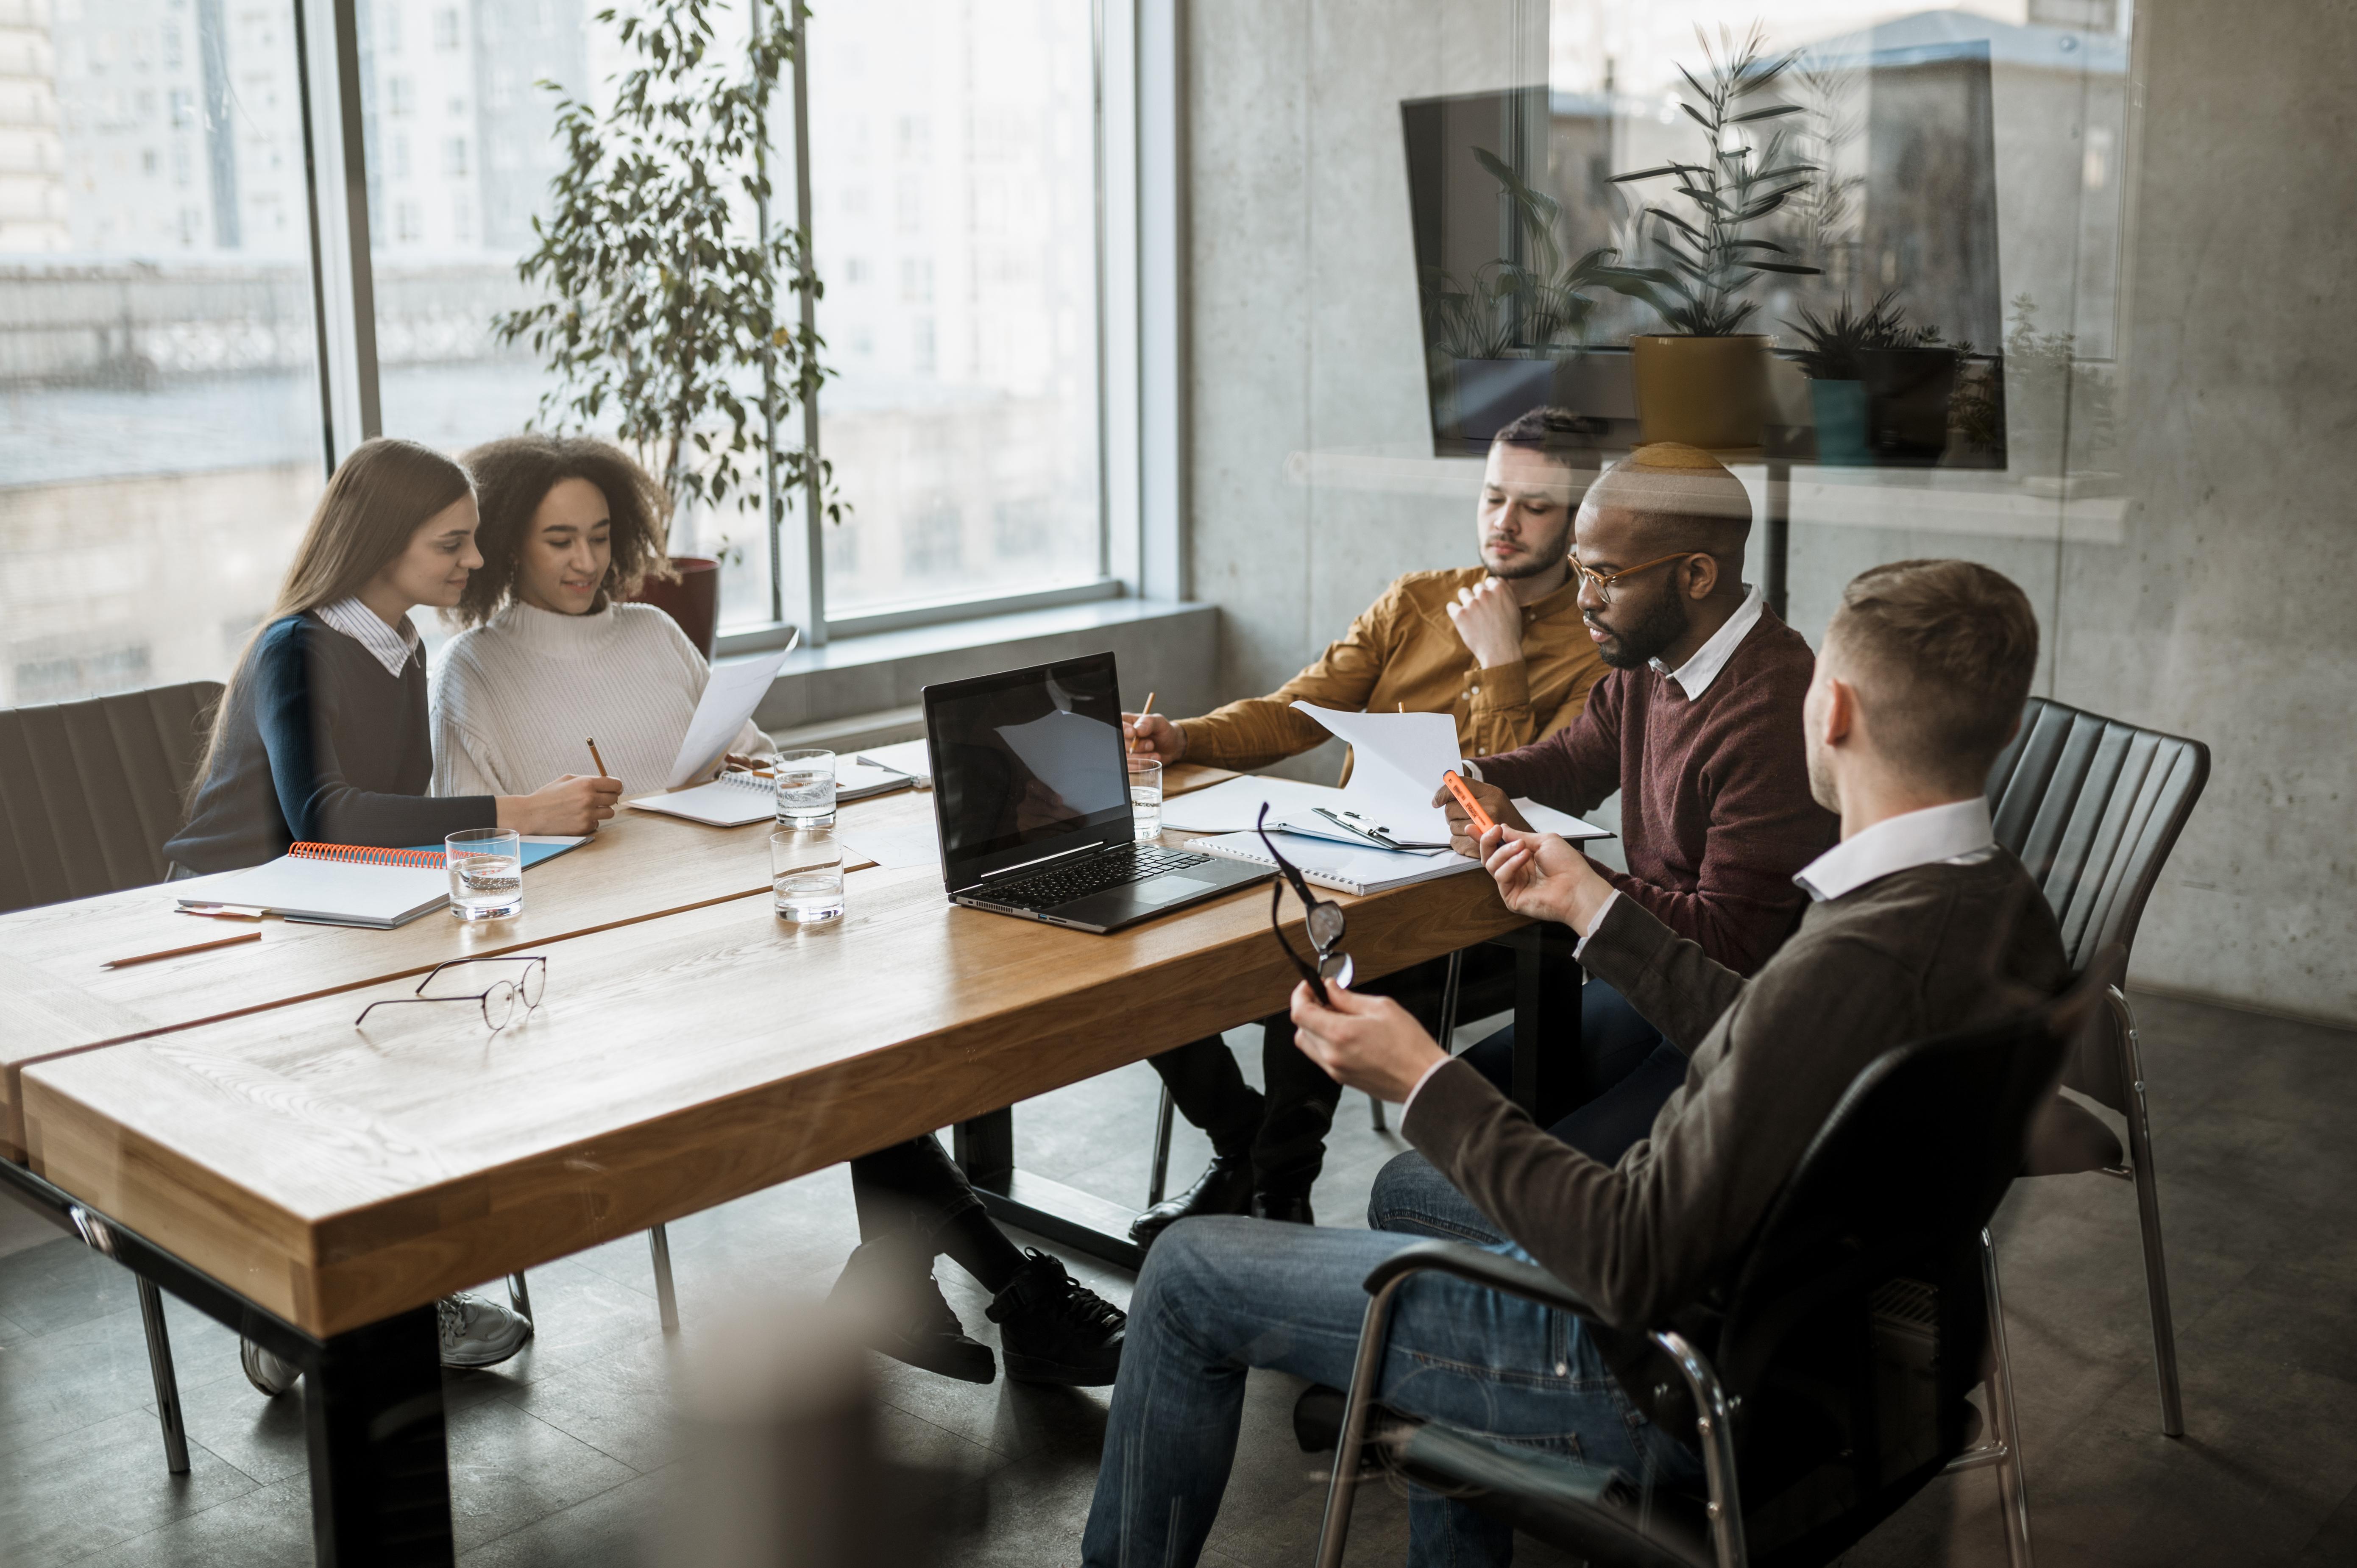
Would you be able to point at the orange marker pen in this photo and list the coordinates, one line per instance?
(1481, 823)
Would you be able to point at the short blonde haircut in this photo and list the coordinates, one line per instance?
(1941, 653)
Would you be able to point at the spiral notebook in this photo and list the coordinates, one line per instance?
(1338, 865)
(734, 800)
(333, 884)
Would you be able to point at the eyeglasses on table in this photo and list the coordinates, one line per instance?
(498, 1002)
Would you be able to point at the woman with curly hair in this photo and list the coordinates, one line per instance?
(554, 653)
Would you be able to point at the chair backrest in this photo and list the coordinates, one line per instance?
(89, 791)
(2092, 807)
(1858, 1324)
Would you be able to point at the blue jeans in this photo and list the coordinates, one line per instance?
(1220, 1296)
(1627, 1068)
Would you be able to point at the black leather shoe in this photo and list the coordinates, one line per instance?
(903, 1315)
(1293, 1211)
(1056, 1330)
(1225, 1188)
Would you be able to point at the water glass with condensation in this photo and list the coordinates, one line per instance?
(806, 790)
(486, 872)
(806, 874)
(1145, 795)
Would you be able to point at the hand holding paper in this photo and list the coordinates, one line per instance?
(729, 699)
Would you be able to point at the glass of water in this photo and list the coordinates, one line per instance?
(806, 790)
(806, 874)
(486, 872)
(1145, 795)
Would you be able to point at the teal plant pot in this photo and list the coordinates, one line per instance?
(1840, 410)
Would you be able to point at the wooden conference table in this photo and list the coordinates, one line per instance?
(217, 1122)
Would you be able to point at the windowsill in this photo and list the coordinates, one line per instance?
(947, 637)
(764, 637)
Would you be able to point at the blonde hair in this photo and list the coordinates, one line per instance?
(378, 498)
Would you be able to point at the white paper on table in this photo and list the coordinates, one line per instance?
(908, 756)
(892, 845)
(1562, 824)
(729, 699)
(1396, 763)
(1233, 805)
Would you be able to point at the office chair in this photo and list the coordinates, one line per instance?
(2092, 807)
(1832, 1384)
(89, 791)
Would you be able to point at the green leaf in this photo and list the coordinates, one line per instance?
(1772, 111)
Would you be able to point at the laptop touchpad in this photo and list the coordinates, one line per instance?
(1169, 885)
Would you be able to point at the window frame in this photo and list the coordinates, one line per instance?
(1139, 262)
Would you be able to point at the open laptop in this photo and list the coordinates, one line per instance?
(1032, 797)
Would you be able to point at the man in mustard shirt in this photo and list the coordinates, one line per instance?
(1502, 647)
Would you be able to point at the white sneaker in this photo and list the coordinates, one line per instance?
(269, 1372)
(478, 1333)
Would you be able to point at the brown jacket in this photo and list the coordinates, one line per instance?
(1404, 651)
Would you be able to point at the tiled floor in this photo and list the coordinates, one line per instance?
(565, 1456)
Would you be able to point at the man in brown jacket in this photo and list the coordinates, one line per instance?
(1919, 923)
(1502, 647)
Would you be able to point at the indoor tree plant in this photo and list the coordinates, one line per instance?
(1704, 382)
(670, 315)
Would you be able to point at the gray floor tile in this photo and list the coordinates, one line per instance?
(99, 1485)
(509, 1468)
(269, 1527)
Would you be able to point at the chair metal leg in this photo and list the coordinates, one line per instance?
(2012, 1490)
(1160, 1176)
(168, 1385)
(1343, 1491)
(1375, 1109)
(2147, 1189)
(520, 1295)
(1451, 990)
(666, 1299)
(1715, 1424)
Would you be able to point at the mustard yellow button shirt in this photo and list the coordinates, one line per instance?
(1404, 651)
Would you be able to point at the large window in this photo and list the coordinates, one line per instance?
(165, 421)
(954, 179)
(159, 404)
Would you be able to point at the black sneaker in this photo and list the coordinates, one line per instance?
(902, 1313)
(1056, 1330)
(1225, 1188)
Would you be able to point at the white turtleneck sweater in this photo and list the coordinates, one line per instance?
(515, 699)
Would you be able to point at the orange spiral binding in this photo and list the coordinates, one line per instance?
(354, 854)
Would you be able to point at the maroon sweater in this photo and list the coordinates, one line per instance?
(1716, 814)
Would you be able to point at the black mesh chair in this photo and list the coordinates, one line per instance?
(1830, 1385)
(2092, 807)
(89, 794)
(89, 791)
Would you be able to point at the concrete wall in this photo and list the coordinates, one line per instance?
(2202, 592)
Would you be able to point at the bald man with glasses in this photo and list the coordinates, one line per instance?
(1696, 725)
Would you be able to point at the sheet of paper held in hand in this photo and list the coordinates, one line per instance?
(729, 699)
(1396, 763)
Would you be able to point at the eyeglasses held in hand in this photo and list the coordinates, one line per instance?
(1602, 581)
(1323, 920)
(499, 1003)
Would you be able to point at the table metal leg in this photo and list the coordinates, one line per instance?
(1776, 535)
(1546, 1021)
(379, 1469)
(985, 1149)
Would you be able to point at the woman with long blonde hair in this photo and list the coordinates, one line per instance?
(323, 734)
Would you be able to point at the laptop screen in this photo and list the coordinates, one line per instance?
(1026, 764)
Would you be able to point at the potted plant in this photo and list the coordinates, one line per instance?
(1879, 389)
(668, 294)
(1495, 335)
(1706, 382)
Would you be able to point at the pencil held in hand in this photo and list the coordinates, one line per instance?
(1134, 737)
(598, 759)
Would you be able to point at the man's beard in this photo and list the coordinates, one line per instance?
(1662, 625)
(1533, 564)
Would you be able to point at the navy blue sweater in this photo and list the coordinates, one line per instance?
(319, 743)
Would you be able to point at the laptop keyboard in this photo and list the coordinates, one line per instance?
(1115, 868)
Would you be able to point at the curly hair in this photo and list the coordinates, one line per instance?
(514, 474)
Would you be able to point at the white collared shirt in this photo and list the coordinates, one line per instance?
(1695, 676)
(1955, 834)
(367, 627)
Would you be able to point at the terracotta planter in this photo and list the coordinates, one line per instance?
(1705, 392)
(693, 599)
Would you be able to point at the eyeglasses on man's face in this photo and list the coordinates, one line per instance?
(1602, 582)
(500, 1001)
(1322, 918)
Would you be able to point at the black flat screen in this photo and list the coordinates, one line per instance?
(1030, 760)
